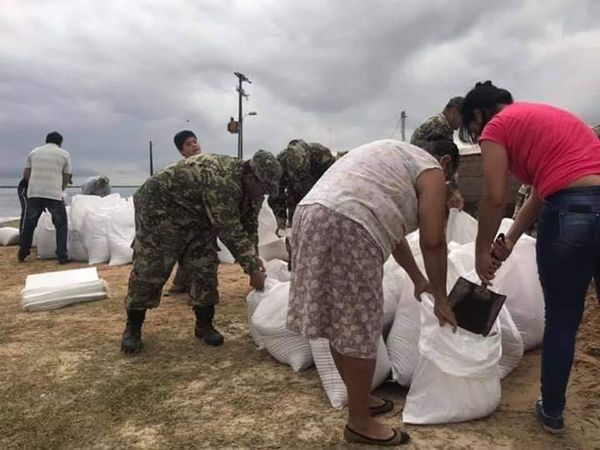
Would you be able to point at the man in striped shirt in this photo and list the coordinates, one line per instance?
(48, 171)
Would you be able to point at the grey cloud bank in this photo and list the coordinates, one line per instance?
(113, 75)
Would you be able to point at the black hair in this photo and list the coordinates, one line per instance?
(54, 138)
(485, 97)
(443, 147)
(180, 138)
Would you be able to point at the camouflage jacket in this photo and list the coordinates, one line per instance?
(294, 184)
(205, 192)
(436, 127)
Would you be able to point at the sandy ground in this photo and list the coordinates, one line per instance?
(64, 383)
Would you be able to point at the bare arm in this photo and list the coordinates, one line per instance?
(491, 207)
(27, 173)
(431, 189)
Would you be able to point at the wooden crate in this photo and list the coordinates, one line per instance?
(470, 180)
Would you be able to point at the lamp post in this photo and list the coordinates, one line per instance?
(241, 93)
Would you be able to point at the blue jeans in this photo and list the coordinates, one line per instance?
(34, 208)
(568, 257)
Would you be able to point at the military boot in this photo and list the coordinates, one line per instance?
(204, 327)
(132, 336)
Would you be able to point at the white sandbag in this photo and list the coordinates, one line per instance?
(46, 236)
(512, 344)
(80, 205)
(52, 290)
(394, 281)
(252, 301)
(277, 269)
(121, 233)
(224, 254)
(461, 227)
(403, 339)
(77, 250)
(9, 236)
(334, 387)
(273, 250)
(95, 235)
(518, 279)
(456, 378)
(34, 241)
(267, 224)
(269, 318)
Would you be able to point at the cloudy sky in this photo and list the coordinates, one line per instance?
(112, 75)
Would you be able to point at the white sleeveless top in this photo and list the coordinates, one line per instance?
(375, 185)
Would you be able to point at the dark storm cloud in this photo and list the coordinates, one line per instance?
(113, 75)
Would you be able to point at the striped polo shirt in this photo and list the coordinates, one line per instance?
(47, 164)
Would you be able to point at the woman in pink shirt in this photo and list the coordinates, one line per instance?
(559, 155)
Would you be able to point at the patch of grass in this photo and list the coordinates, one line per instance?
(65, 384)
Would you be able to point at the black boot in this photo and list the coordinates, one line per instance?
(132, 336)
(204, 327)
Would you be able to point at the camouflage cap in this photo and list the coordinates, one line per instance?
(320, 148)
(455, 102)
(596, 129)
(296, 157)
(267, 169)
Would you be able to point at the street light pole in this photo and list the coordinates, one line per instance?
(403, 126)
(241, 93)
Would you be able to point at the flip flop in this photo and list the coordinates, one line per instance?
(387, 406)
(354, 437)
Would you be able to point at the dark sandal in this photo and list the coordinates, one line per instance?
(398, 438)
(387, 406)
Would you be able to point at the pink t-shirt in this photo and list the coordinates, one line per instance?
(547, 147)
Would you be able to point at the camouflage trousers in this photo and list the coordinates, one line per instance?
(522, 196)
(161, 241)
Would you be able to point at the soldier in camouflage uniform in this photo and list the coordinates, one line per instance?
(302, 164)
(442, 126)
(186, 207)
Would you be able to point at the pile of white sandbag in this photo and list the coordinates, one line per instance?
(52, 290)
(457, 377)
(452, 376)
(267, 315)
(101, 229)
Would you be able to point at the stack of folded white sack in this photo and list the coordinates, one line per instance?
(52, 290)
